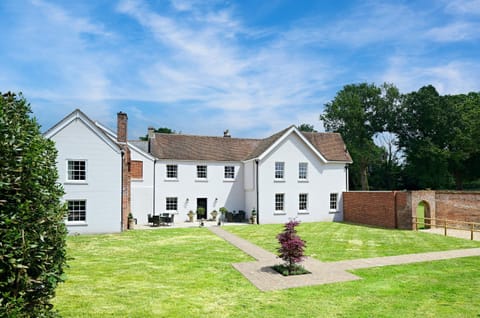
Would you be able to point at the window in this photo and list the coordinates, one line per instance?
(77, 211)
(172, 171)
(333, 201)
(229, 172)
(171, 204)
(302, 201)
(137, 169)
(77, 170)
(302, 170)
(279, 170)
(202, 172)
(279, 201)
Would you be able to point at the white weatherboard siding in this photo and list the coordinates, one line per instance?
(102, 189)
(142, 189)
(322, 180)
(187, 188)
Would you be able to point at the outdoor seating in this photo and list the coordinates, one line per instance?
(163, 219)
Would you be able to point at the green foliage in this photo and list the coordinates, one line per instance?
(32, 228)
(359, 112)
(163, 130)
(306, 128)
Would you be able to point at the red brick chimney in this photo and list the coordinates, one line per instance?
(122, 121)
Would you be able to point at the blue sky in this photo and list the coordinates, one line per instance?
(254, 67)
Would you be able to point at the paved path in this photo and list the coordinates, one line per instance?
(261, 274)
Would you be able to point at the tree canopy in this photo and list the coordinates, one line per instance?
(32, 228)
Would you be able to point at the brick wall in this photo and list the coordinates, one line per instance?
(403, 210)
(137, 169)
(458, 206)
(372, 208)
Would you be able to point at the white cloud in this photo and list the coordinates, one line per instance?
(455, 32)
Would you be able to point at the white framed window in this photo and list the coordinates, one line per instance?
(303, 201)
(171, 204)
(333, 201)
(172, 171)
(229, 172)
(279, 170)
(279, 201)
(76, 170)
(201, 172)
(302, 170)
(77, 211)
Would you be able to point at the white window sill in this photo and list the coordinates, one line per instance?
(78, 223)
(279, 180)
(228, 180)
(333, 211)
(76, 182)
(303, 212)
(279, 213)
(201, 180)
(170, 180)
(302, 180)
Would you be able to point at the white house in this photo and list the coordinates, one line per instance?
(290, 174)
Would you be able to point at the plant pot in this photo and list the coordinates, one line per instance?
(131, 224)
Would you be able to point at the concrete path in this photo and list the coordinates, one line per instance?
(261, 274)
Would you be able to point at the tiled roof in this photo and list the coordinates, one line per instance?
(189, 147)
(330, 145)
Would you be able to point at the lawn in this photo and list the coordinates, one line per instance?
(188, 273)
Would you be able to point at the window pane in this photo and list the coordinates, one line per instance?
(76, 170)
(76, 210)
(302, 201)
(202, 172)
(279, 170)
(302, 170)
(229, 172)
(279, 200)
(171, 204)
(172, 171)
(333, 201)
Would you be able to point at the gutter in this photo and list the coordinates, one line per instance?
(153, 199)
(256, 186)
(121, 192)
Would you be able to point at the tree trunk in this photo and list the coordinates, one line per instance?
(458, 180)
(364, 177)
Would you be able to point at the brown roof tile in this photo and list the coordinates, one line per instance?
(189, 147)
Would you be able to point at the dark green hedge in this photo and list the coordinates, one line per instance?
(32, 228)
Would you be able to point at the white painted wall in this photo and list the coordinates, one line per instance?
(250, 186)
(323, 179)
(142, 189)
(102, 189)
(187, 188)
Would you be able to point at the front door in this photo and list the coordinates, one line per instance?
(201, 208)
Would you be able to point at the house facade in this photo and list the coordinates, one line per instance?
(290, 174)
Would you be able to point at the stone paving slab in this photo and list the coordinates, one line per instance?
(261, 274)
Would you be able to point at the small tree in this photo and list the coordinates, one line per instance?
(291, 246)
(32, 228)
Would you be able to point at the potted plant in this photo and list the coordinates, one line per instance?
(131, 221)
(253, 217)
(214, 215)
(201, 214)
(190, 216)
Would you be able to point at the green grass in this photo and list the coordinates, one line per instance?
(328, 241)
(188, 273)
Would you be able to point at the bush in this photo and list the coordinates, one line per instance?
(32, 228)
(291, 246)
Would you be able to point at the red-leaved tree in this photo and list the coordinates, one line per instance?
(291, 246)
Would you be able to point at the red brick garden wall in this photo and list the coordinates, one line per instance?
(371, 208)
(458, 206)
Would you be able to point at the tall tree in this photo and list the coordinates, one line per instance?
(424, 126)
(359, 112)
(32, 228)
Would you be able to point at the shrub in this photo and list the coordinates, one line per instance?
(291, 246)
(32, 228)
